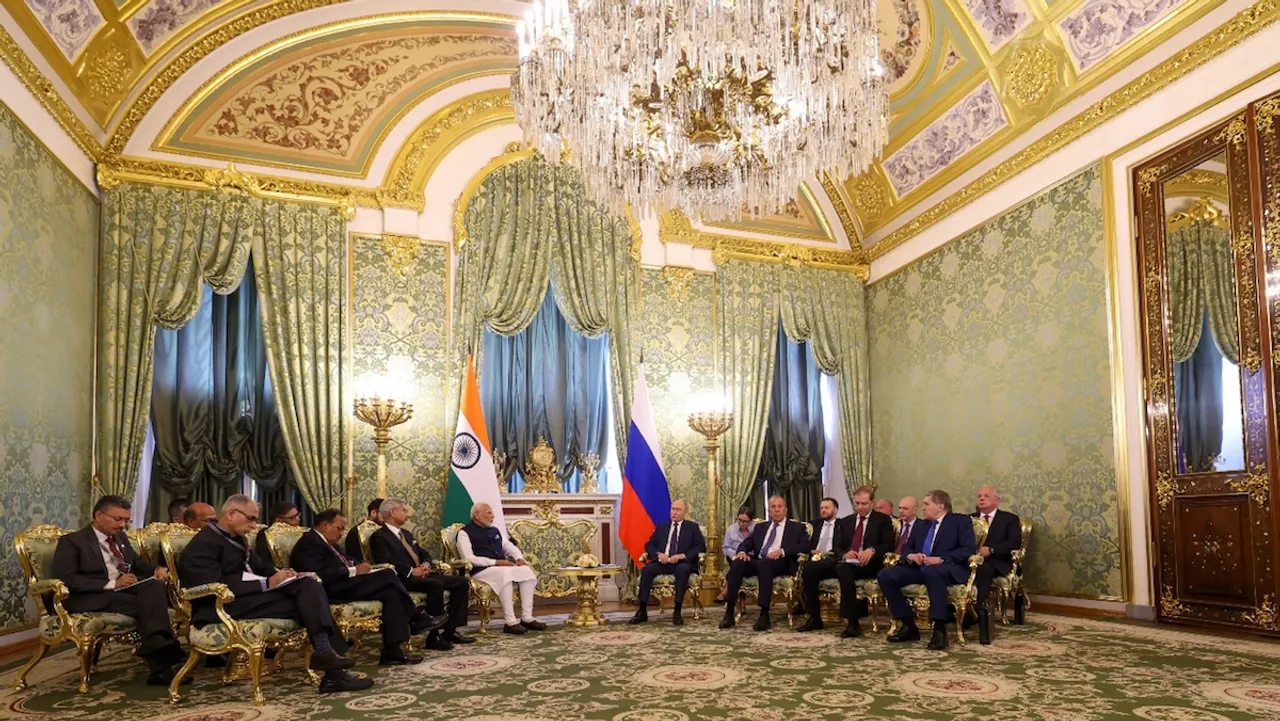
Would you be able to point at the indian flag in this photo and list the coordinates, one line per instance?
(472, 478)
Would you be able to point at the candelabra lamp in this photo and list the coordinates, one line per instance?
(382, 412)
(589, 465)
(712, 424)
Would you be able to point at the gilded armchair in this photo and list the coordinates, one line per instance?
(664, 586)
(788, 587)
(551, 545)
(481, 595)
(868, 590)
(250, 637)
(961, 596)
(1007, 589)
(147, 542)
(352, 619)
(365, 530)
(88, 631)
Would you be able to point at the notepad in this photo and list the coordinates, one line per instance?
(134, 585)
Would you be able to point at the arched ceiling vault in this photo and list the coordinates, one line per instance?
(368, 97)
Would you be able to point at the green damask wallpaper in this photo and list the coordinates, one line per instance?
(989, 364)
(400, 309)
(677, 327)
(48, 232)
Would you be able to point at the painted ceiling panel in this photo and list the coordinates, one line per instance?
(160, 19)
(71, 23)
(802, 218)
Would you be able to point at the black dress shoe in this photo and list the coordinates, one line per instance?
(813, 624)
(1019, 609)
(534, 625)
(677, 619)
(762, 623)
(436, 642)
(340, 681)
(457, 638)
(170, 654)
(728, 621)
(642, 616)
(984, 627)
(400, 659)
(851, 630)
(422, 623)
(514, 629)
(907, 631)
(219, 661)
(939, 640)
(329, 661)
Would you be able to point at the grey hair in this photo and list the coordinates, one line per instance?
(389, 505)
(475, 508)
(236, 502)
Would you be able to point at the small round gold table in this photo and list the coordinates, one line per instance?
(588, 591)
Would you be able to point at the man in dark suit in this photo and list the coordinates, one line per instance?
(936, 555)
(1004, 536)
(392, 544)
(673, 549)
(177, 507)
(827, 537)
(885, 506)
(221, 554)
(346, 581)
(354, 550)
(285, 512)
(869, 537)
(104, 574)
(773, 549)
(198, 515)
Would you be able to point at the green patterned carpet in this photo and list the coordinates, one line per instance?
(1053, 668)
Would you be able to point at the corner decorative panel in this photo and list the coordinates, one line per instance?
(961, 129)
(71, 23)
(1100, 27)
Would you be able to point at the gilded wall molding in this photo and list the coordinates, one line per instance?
(406, 180)
(845, 215)
(675, 227)
(47, 95)
(159, 172)
(1242, 26)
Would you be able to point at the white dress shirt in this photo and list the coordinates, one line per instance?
(674, 533)
(989, 516)
(108, 558)
(824, 536)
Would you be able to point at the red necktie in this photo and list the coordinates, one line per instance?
(121, 564)
(902, 540)
(986, 518)
(857, 535)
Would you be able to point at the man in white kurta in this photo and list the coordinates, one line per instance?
(496, 562)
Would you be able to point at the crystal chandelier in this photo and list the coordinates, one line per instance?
(712, 107)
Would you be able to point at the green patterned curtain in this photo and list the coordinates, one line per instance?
(1201, 276)
(748, 346)
(530, 224)
(827, 310)
(158, 246)
(300, 265)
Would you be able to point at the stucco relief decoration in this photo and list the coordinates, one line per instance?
(998, 20)
(904, 41)
(1099, 27)
(962, 128)
(71, 23)
(160, 19)
(327, 105)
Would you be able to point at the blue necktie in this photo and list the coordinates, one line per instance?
(768, 540)
(928, 537)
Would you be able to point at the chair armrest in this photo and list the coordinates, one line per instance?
(445, 568)
(891, 559)
(55, 586)
(460, 566)
(643, 559)
(974, 561)
(220, 590)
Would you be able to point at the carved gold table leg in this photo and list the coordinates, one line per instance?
(588, 613)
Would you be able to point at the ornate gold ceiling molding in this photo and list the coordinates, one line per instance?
(675, 227)
(406, 181)
(47, 95)
(197, 51)
(1244, 25)
(847, 222)
(178, 175)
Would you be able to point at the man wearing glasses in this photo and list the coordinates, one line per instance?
(282, 512)
(105, 575)
(221, 554)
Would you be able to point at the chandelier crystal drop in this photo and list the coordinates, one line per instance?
(712, 107)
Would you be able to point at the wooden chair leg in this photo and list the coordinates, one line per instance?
(255, 676)
(84, 651)
(306, 664)
(174, 695)
(21, 682)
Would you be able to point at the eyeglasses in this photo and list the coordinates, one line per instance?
(117, 519)
(247, 517)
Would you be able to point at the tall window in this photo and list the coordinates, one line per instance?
(794, 439)
(548, 382)
(213, 413)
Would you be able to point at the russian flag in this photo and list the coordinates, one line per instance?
(646, 501)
